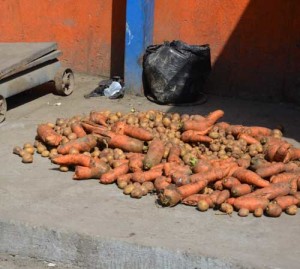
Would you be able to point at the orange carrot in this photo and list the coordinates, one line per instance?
(159, 166)
(172, 195)
(112, 175)
(272, 191)
(243, 162)
(136, 163)
(195, 136)
(292, 154)
(81, 144)
(250, 203)
(214, 196)
(255, 131)
(201, 166)
(168, 167)
(283, 177)
(78, 130)
(297, 195)
(222, 125)
(249, 177)
(201, 126)
(98, 118)
(214, 116)
(248, 138)
(273, 169)
(222, 197)
(218, 185)
(240, 190)
(48, 135)
(194, 199)
(230, 182)
(95, 171)
(154, 154)
(73, 159)
(174, 154)
(161, 183)
(211, 175)
(285, 201)
(180, 178)
(150, 175)
(230, 200)
(91, 127)
(132, 131)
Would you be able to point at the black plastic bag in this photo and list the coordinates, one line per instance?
(175, 72)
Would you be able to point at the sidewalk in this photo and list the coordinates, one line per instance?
(46, 215)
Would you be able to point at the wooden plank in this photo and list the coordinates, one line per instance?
(48, 57)
(14, 55)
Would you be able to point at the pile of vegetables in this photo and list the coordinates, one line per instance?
(190, 159)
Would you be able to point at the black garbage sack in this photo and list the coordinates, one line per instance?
(175, 72)
(112, 88)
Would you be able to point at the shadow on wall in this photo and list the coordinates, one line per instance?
(118, 27)
(261, 59)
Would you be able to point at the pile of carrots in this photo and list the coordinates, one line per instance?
(190, 159)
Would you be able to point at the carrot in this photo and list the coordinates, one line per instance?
(222, 197)
(248, 138)
(282, 152)
(255, 131)
(214, 196)
(218, 185)
(240, 190)
(132, 131)
(250, 203)
(195, 136)
(194, 199)
(283, 177)
(272, 191)
(200, 126)
(98, 118)
(297, 195)
(273, 169)
(230, 182)
(172, 195)
(124, 142)
(211, 175)
(168, 167)
(249, 177)
(95, 171)
(285, 201)
(91, 127)
(201, 166)
(230, 200)
(48, 135)
(154, 154)
(292, 154)
(243, 162)
(78, 130)
(73, 159)
(112, 175)
(159, 166)
(174, 154)
(222, 125)
(150, 175)
(294, 185)
(136, 163)
(161, 183)
(81, 144)
(180, 178)
(214, 116)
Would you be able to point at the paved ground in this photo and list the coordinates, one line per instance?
(46, 215)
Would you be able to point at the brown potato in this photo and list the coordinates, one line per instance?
(27, 158)
(63, 168)
(202, 205)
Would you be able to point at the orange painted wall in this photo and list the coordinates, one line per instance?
(255, 44)
(82, 29)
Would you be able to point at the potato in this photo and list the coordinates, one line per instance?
(51, 125)
(136, 193)
(67, 131)
(128, 189)
(291, 210)
(202, 205)
(258, 212)
(72, 136)
(122, 184)
(149, 185)
(45, 153)
(17, 150)
(226, 208)
(63, 168)
(30, 150)
(27, 158)
(73, 151)
(144, 190)
(27, 145)
(41, 148)
(243, 212)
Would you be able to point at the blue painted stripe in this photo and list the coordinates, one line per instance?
(139, 34)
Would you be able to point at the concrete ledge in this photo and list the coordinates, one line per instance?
(88, 252)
